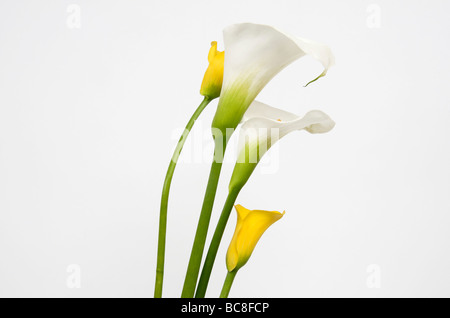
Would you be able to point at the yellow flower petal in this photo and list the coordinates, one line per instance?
(212, 80)
(250, 226)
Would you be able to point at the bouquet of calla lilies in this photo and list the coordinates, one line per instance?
(253, 55)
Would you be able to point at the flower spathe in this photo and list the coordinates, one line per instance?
(250, 226)
(254, 54)
(262, 127)
(212, 80)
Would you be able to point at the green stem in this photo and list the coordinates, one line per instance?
(165, 199)
(193, 269)
(227, 284)
(215, 242)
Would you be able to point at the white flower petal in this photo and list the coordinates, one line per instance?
(254, 54)
(266, 126)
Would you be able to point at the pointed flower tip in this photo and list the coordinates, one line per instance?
(212, 51)
(321, 75)
(327, 59)
(278, 215)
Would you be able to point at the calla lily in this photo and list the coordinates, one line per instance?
(254, 54)
(251, 225)
(262, 127)
(212, 80)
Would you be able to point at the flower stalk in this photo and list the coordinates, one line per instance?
(195, 259)
(229, 279)
(165, 198)
(215, 242)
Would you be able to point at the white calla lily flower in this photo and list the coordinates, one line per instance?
(254, 54)
(262, 127)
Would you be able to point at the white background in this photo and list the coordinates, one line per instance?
(89, 117)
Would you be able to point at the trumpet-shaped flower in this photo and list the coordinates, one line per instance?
(254, 54)
(212, 80)
(251, 225)
(262, 127)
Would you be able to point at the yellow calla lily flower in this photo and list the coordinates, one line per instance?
(251, 224)
(212, 80)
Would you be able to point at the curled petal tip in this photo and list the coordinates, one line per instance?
(322, 123)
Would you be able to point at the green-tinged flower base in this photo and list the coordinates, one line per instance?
(233, 103)
(246, 163)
